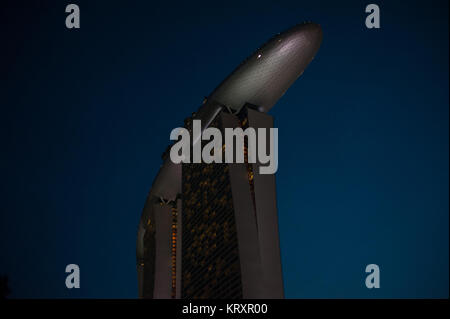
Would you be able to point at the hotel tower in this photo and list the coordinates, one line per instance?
(211, 230)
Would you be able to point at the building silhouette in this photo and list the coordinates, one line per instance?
(211, 230)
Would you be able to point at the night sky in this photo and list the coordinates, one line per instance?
(363, 138)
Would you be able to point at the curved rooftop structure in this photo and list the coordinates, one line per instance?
(264, 77)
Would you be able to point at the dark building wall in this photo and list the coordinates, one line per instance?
(210, 262)
(250, 262)
(153, 251)
(148, 264)
(266, 216)
(160, 275)
(223, 205)
(223, 240)
(179, 249)
(163, 278)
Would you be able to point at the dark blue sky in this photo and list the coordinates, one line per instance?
(363, 138)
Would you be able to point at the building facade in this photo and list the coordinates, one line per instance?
(211, 230)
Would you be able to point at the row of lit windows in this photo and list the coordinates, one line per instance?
(174, 251)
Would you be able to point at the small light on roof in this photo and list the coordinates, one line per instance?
(259, 55)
